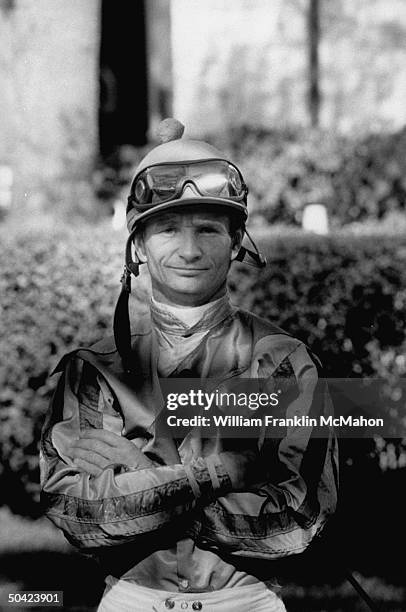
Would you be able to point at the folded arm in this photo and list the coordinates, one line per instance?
(101, 489)
(283, 514)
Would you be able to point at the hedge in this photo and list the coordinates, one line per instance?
(343, 295)
(358, 178)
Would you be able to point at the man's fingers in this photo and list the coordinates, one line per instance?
(111, 439)
(87, 467)
(90, 457)
(103, 435)
(96, 446)
(111, 447)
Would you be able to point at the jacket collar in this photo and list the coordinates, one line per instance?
(167, 321)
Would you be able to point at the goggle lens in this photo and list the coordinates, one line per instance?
(165, 182)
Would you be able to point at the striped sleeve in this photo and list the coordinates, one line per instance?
(119, 505)
(282, 515)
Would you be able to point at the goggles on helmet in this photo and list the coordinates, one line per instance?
(160, 183)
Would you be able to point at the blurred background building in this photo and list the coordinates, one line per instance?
(86, 76)
(339, 64)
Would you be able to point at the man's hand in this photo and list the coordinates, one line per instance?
(244, 468)
(98, 448)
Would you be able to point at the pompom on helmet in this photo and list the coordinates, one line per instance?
(178, 173)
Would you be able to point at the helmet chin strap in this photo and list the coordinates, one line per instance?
(258, 260)
(121, 324)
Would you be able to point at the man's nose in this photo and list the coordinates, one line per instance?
(189, 248)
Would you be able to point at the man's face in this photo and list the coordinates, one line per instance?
(188, 255)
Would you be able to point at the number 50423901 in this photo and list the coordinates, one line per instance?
(46, 598)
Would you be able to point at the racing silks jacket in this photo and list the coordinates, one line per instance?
(186, 488)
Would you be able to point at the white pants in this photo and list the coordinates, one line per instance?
(123, 596)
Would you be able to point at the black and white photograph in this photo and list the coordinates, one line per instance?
(203, 305)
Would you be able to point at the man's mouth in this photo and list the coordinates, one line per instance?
(187, 271)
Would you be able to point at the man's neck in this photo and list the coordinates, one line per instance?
(189, 315)
(186, 301)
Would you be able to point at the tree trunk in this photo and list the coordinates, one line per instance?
(313, 28)
(160, 77)
(55, 70)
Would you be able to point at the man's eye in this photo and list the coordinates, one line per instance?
(208, 229)
(168, 229)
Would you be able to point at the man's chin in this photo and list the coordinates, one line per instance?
(188, 283)
(186, 291)
(188, 295)
(190, 290)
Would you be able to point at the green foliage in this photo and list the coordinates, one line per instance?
(58, 291)
(345, 296)
(357, 179)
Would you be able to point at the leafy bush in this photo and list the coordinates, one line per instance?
(57, 292)
(344, 296)
(356, 178)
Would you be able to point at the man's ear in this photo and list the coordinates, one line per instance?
(236, 243)
(139, 247)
